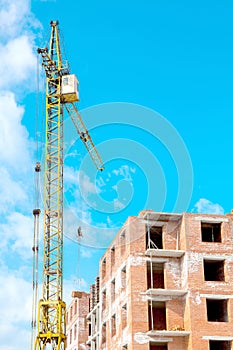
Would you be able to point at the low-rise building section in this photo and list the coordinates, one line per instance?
(93, 317)
(77, 329)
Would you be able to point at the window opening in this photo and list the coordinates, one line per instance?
(211, 232)
(122, 241)
(157, 315)
(93, 324)
(71, 313)
(113, 325)
(75, 332)
(123, 277)
(154, 237)
(214, 270)
(219, 345)
(75, 307)
(97, 290)
(104, 299)
(113, 292)
(70, 336)
(217, 310)
(158, 347)
(104, 333)
(65, 81)
(104, 268)
(113, 255)
(155, 275)
(124, 316)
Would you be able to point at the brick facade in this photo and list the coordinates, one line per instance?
(165, 283)
(158, 281)
(76, 322)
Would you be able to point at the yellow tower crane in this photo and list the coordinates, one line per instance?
(61, 91)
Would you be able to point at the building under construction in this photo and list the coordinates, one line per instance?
(165, 283)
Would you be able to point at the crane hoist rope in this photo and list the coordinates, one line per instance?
(61, 91)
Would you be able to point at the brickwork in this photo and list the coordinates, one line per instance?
(166, 284)
(159, 298)
(76, 322)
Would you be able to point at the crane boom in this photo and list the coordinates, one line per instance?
(84, 135)
(51, 320)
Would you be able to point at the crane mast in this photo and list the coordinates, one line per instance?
(51, 318)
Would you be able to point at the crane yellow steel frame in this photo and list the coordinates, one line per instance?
(51, 318)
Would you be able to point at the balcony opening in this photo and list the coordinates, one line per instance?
(113, 325)
(104, 299)
(97, 290)
(157, 316)
(214, 270)
(124, 316)
(112, 256)
(92, 297)
(154, 237)
(219, 345)
(104, 268)
(123, 277)
(113, 290)
(217, 310)
(70, 336)
(75, 331)
(155, 275)
(211, 232)
(93, 324)
(75, 307)
(104, 333)
(71, 313)
(122, 242)
(158, 347)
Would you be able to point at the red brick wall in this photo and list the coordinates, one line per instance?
(186, 312)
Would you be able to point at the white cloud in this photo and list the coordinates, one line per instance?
(15, 18)
(133, 170)
(17, 69)
(17, 46)
(100, 182)
(205, 206)
(86, 186)
(10, 342)
(18, 293)
(12, 192)
(80, 180)
(14, 138)
(125, 171)
(15, 301)
(12, 15)
(118, 204)
(109, 221)
(18, 63)
(73, 284)
(17, 233)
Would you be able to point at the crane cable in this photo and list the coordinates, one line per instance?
(36, 214)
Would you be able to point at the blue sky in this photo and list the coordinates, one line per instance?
(156, 88)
